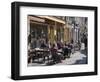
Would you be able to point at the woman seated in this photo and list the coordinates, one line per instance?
(43, 45)
(69, 50)
(65, 50)
(56, 58)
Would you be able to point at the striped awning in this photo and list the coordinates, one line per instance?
(53, 19)
(34, 18)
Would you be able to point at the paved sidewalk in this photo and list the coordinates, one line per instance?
(76, 58)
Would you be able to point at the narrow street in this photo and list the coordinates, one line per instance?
(51, 40)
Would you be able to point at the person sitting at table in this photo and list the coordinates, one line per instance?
(56, 58)
(72, 48)
(59, 45)
(43, 45)
(69, 50)
(65, 50)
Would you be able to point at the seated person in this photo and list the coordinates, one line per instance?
(43, 45)
(56, 58)
(59, 45)
(65, 50)
(69, 50)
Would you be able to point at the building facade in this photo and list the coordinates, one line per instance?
(53, 29)
(78, 27)
(49, 29)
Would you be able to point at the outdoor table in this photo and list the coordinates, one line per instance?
(38, 52)
(60, 51)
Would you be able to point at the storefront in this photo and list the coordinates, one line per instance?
(55, 29)
(39, 34)
(47, 29)
(38, 31)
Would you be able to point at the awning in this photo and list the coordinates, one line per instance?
(38, 19)
(53, 19)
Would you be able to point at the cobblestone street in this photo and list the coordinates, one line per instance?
(76, 58)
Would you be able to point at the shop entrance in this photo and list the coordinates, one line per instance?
(38, 34)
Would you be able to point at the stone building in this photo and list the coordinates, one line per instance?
(78, 27)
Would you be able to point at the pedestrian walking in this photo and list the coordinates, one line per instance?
(82, 48)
